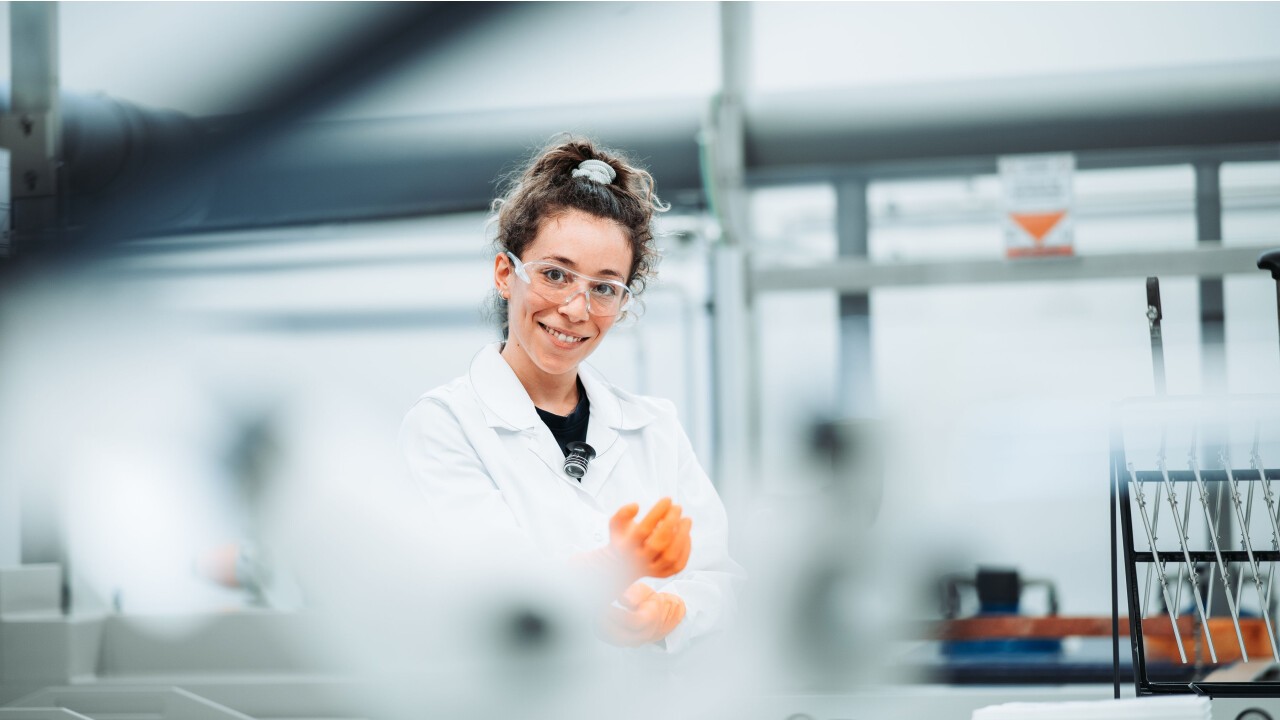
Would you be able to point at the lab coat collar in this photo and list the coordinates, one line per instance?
(506, 404)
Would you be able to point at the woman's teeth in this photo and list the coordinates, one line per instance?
(561, 336)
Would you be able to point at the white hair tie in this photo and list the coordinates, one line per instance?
(596, 171)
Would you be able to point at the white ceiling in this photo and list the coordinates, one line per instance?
(198, 57)
(207, 57)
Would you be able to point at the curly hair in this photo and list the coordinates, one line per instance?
(545, 188)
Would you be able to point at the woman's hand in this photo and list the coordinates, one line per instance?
(645, 617)
(657, 546)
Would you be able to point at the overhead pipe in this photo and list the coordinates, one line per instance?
(448, 163)
(312, 172)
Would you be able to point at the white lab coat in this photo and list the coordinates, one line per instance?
(478, 450)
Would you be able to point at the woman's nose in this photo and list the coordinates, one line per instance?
(577, 307)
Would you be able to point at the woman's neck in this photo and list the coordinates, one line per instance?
(554, 393)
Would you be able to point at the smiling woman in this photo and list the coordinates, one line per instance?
(552, 322)
(503, 448)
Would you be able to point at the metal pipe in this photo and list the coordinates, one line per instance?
(1184, 542)
(1217, 551)
(446, 163)
(1248, 546)
(1155, 554)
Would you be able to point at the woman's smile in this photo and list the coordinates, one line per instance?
(562, 339)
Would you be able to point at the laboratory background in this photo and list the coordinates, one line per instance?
(905, 309)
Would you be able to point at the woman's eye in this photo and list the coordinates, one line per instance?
(605, 290)
(555, 275)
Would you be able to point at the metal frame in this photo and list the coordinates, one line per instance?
(960, 165)
(854, 275)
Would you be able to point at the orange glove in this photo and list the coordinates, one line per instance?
(657, 546)
(645, 617)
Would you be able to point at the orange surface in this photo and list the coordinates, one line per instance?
(1157, 632)
(1038, 225)
(1160, 645)
(1022, 626)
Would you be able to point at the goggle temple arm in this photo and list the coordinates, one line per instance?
(518, 266)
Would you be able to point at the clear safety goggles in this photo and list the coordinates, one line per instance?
(551, 282)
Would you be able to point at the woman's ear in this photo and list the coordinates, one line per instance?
(502, 275)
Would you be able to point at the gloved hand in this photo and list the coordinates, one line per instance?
(645, 617)
(657, 546)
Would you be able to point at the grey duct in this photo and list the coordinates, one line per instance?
(356, 170)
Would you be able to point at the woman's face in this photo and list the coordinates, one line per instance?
(578, 241)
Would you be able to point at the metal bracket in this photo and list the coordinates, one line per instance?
(33, 163)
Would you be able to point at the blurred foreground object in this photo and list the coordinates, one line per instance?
(818, 618)
(1184, 708)
(999, 594)
(644, 617)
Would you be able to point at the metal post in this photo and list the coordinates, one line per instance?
(736, 406)
(729, 156)
(32, 129)
(1213, 366)
(32, 132)
(856, 386)
(1209, 230)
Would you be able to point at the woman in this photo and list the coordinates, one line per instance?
(575, 244)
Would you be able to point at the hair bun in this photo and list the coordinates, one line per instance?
(596, 171)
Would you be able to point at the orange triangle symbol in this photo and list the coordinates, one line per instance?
(1038, 224)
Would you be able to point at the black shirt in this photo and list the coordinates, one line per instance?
(572, 427)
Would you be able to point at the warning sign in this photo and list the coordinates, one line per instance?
(1037, 204)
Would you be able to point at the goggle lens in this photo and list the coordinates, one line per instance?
(559, 285)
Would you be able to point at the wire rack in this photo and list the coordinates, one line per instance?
(1199, 515)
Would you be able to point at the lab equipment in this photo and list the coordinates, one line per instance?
(575, 464)
(999, 592)
(1179, 643)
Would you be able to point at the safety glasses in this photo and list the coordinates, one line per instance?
(551, 282)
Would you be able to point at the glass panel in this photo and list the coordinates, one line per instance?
(1135, 209)
(998, 400)
(936, 219)
(797, 340)
(1253, 340)
(793, 223)
(1251, 203)
(1251, 217)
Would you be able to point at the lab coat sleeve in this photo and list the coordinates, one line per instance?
(706, 585)
(450, 475)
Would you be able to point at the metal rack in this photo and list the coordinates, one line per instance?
(1199, 514)
(1233, 537)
